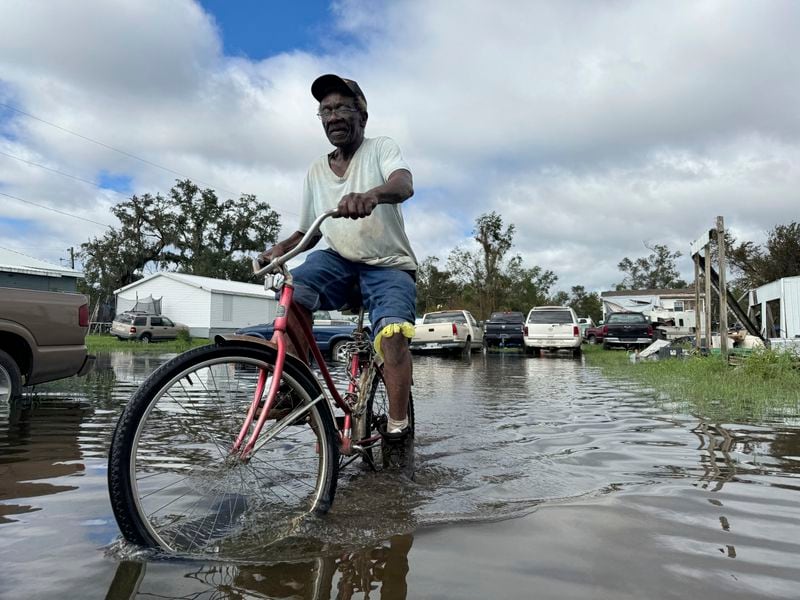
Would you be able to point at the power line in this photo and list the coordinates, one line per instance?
(53, 209)
(123, 152)
(81, 179)
(75, 177)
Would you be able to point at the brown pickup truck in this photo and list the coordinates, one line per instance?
(42, 338)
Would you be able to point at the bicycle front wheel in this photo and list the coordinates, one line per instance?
(173, 481)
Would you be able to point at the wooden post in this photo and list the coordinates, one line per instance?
(723, 295)
(707, 301)
(696, 301)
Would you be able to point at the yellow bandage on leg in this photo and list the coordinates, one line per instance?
(407, 329)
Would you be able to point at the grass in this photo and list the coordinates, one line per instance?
(108, 343)
(764, 385)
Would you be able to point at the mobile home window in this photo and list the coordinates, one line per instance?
(227, 308)
(678, 307)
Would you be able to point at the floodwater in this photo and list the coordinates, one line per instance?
(537, 478)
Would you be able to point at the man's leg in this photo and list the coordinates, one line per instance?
(390, 296)
(397, 374)
(321, 282)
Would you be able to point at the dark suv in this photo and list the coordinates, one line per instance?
(504, 329)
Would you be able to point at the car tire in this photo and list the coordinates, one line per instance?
(10, 378)
(532, 350)
(576, 353)
(146, 338)
(606, 346)
(592, 340)
(337, 352)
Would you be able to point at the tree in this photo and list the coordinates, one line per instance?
(436, 289)
(117, 258)
(780, 256)
(586, 304)
(525, 287)
(480, 271)
(656, 271)
(211, 236)
(191, 232)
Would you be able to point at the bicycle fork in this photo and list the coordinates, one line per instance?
(244, 445)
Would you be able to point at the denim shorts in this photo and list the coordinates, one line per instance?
(325, 281)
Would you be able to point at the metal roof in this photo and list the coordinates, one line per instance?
(16, 262)
(209, 284)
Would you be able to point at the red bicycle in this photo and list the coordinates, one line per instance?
(241, 439)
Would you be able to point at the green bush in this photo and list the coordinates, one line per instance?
(184, 336)
(767, 364)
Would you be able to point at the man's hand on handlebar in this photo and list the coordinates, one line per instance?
(356, 206)
(270, 254)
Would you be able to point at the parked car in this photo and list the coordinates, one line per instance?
(594, 335)
(552, 328)
(42, 338)
(627, 329)
(448, 331)
(331, 335)
(585, 323)
(504, 329)
(145, 328)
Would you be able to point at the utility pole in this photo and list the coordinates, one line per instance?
(72, 257)
(723, 289)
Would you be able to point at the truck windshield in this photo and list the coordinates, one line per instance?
(507, 317)
(550, 317)
(626, 318)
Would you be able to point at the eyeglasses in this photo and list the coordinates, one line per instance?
(341, 111)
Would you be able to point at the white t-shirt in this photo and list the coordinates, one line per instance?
(379, 239)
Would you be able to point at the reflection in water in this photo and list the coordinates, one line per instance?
(38, 444)
(375, 572)
(718, 465)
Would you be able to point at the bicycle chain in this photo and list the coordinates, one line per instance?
(362, 347)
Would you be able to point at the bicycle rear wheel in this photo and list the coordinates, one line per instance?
(376, 414)
(172, 480)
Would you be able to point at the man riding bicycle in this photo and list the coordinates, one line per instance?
(366, 180)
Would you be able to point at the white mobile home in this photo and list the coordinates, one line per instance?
(775, 307)
(671, 306)
(208, 306)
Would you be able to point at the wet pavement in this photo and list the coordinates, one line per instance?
(537, 478)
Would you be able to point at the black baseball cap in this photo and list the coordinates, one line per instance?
(325, 84)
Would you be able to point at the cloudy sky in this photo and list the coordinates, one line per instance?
(594, 127)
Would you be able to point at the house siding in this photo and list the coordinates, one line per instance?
(791, 307)
(205, 312)
(242, 310)
(180, 302)
(38, 282)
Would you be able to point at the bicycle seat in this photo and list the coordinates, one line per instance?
(354, 300)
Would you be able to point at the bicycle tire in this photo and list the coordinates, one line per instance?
(376, 413)
(170, 473)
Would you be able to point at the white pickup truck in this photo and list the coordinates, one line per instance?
(454, 331)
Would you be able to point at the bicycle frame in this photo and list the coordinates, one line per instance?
(245, 444)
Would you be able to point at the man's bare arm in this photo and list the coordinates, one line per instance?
(285, 246)
(398, 188)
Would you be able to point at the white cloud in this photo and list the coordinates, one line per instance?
(594, 127)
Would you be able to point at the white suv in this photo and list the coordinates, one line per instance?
(552, 328)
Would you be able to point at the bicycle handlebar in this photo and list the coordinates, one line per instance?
(258, 270)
